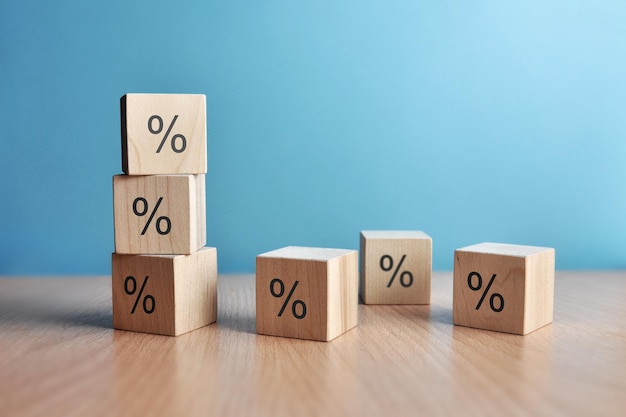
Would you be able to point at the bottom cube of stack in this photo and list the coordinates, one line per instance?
(164, 294)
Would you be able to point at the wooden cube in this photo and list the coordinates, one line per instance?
(396, 267)
(506, 288)
(163, 134)
(158, 214)
(165, 294)
(306, 293)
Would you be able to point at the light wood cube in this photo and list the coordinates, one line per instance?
(165, 294)
(506, 288)
(163, 134)
(306, 293)
(396, 267)
(159, 214)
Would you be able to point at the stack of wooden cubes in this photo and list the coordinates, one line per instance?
(164, 279)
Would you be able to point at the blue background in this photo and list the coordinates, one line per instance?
(473, 121)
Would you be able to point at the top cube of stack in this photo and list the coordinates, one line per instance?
(163, 134)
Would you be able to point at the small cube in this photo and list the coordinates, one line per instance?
(165, 294)
(396, 267)
(501, 287)
(306, 293)
(159, 214)
(163, 134)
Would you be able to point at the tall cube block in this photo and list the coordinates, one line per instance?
(306, 293)
(158, 214)
(506, 288)
(165, 294)
(163, 134)
(396, 267)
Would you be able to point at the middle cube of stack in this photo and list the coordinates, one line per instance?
(160, 214)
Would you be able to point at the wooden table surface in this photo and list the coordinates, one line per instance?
(59, 356)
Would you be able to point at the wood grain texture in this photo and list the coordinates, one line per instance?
(396, 267)
(143, 114)
(508, 288)
(61, 357)
(182, 202)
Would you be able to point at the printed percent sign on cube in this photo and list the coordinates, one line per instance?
(144, 211)
(388, 261)
(183, 140)
(281, 292)
(133, 290)
(478, 286)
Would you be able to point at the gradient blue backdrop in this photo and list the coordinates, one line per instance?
(473, 121)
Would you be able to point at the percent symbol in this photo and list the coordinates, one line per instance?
(159, 221)
(159, 129)
(133, 290)
(386, 264)
(281, 292)
(494, 296)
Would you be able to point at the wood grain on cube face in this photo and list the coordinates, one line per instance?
(163, 134)
(143, 293)
(539, 295)
(304, 314)
(342, 294)
(501, 287)
(159, 214)
(195, 289)
(396, 267)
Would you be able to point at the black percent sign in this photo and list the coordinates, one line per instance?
(159, 222)
(281, 292)
(478, 286)
(159, 129)
(130, 280)
(386, 264)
